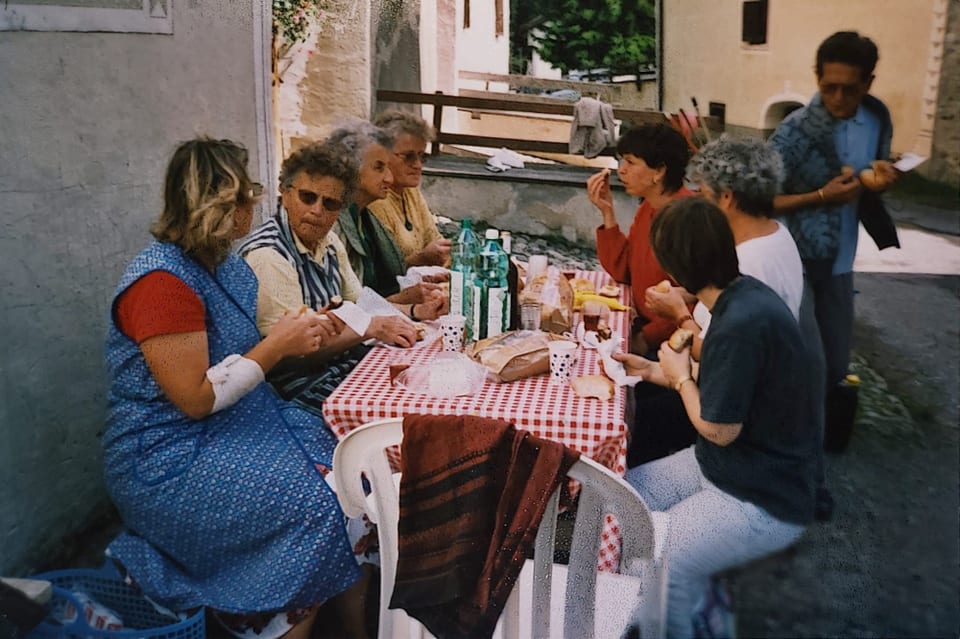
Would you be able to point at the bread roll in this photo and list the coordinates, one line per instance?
(680, 339)
(609, 290)
(582, 285)
(593, 386)
(878, 177)
(846, 170)
(662, 287)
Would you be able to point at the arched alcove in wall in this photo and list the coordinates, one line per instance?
(777, 112)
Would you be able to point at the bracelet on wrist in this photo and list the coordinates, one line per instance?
(681, 381)
(683, 319)
(413, 315)
(820, 193)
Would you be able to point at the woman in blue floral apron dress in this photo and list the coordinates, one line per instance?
(215, 477)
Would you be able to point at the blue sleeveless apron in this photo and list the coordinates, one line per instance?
(228, 511)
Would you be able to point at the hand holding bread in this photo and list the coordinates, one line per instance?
(879, 176)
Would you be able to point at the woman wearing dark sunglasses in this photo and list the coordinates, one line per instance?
(374, 255)
(404, 211)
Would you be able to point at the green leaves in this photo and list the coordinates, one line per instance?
(292, 18)
(589, 34)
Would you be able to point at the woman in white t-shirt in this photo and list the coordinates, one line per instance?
(741, 176)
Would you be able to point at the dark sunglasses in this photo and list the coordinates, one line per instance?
(309, 198)
(411, 157)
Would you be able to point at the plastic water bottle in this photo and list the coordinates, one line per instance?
(463, 258)
(490, 289)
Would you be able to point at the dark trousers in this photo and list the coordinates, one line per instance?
(833, 308)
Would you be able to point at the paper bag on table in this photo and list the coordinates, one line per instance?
(552, 290)
(514, 354)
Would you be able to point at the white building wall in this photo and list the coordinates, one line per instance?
(88, 123)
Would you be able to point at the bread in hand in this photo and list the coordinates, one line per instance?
(662, 287)
(681, 339)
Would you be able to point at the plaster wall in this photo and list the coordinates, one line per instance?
(703, 57)
(336, 81)
(540, 209)
(479, 48)
(87, 125)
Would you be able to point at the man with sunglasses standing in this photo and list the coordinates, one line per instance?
(404, 212)
(824, 146)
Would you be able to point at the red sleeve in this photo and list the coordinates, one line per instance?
(159, 304)
(613, 251)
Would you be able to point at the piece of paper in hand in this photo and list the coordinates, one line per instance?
(353, 316)
(611, 367)
(415, 275)
(374, 304)
(908, 161)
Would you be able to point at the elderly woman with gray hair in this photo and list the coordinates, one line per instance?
(373, 253)
(404, 212)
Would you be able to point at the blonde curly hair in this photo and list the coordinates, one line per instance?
(206, 182)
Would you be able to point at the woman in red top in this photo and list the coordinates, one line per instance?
(653, 160)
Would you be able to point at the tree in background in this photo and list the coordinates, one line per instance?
(618, 35)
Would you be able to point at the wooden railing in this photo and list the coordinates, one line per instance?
(610, 93)
(504, 103)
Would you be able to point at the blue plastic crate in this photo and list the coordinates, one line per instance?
(104, 585)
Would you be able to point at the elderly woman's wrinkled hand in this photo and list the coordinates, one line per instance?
(393, 329)
(434, 305)
(437, 252)
(302, 332)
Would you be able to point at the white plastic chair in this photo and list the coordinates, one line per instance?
(551, 600)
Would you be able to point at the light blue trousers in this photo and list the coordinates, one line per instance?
(710, 530)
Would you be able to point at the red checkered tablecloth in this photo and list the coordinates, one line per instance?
(596, 428)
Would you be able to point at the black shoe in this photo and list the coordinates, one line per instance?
(823, 505)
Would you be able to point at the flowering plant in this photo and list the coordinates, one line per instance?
(292, 20)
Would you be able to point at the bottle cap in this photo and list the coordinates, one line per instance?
(853, 380)
(492, 234)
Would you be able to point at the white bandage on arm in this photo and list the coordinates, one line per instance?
(233, 378)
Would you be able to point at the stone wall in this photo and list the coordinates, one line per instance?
(525, 207)
(944, 163)
(88, 123)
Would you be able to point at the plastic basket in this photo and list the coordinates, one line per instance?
(104, 585)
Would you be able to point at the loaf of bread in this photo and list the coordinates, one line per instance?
(680, 339)
(593, 386)
(582, 285)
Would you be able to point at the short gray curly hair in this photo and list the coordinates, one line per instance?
(354, 136)
(397, 122)
(748, 167)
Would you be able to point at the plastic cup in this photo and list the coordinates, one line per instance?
(536, 265)
(452, 329)
(563, 355)
(530, 316)
(591, 313)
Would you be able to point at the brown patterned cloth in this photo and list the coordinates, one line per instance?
(472, 496)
